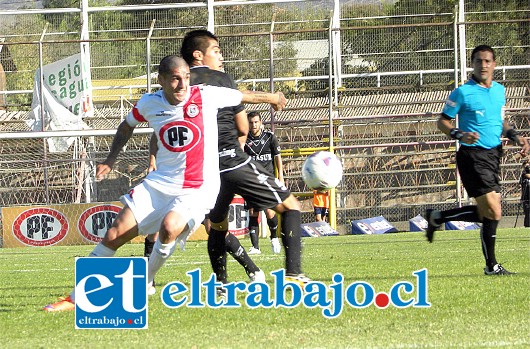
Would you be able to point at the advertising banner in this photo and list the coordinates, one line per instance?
(458, 225)
(374, 225)
(67, 98)
(73, 224)
(417, 223)
(238, 217)
(317, 229)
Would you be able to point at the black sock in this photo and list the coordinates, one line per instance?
(148, 247)
(292, 241)
(464, 213)
(488, 233)
(253, 231)
(273, 226)
(233, 246)
(217, 253)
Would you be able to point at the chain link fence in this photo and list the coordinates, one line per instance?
(380, 73)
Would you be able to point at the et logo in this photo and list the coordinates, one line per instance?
(40, 226)
(95, 221)
(180, 136)
(111, 293)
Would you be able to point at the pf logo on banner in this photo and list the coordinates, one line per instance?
(110, 293)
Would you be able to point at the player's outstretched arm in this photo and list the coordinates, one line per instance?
(122, 136)
(277, 100)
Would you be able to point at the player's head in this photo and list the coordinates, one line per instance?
(201, 47)
(174, 77)
(483, 63)
(482, 48)
(254, 122)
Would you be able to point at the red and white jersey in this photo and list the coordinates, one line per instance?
(187, 155)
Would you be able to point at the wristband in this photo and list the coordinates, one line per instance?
(512, 134)
(456, 133)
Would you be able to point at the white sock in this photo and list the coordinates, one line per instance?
(102, 251)
(99, 251)
(160, 254)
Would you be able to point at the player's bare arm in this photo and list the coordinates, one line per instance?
(277, 100)
(241, 121)
(446, 126)
(122, 136)
(153, 149)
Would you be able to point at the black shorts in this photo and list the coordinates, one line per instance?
(479, 169)
(254, 183)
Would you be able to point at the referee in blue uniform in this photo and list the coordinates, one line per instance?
(479, 104)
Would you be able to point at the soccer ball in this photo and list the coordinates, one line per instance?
(322, 170)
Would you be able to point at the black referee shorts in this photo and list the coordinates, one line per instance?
(479, 169)
(254, 183)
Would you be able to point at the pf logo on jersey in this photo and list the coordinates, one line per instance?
(180, 136)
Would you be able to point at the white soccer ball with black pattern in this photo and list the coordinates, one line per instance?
(322, 170)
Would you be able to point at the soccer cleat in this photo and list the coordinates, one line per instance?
(497, 270)
(299, 279)
(64, 304)
(432, 226)
(276, 247)
(221, 293)
(253, 250)
(151, 290)
(258, 276)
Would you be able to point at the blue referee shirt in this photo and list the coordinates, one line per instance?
(479, 109)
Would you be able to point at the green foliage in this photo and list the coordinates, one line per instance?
(468, 309)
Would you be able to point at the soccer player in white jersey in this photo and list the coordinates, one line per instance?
(173, 199)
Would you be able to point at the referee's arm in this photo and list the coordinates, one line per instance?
(511, 133)
(445, 124)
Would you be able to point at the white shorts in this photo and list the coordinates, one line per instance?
(150, 206)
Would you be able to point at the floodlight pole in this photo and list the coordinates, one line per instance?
(43, 113)
(271, 69)
(331, 103)
(148, 54)
(86, 169)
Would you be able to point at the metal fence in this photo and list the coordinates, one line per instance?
(365, 78)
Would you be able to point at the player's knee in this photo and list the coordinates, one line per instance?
(290, 204)
(172, 226)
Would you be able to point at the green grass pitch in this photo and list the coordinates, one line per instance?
(469, 309)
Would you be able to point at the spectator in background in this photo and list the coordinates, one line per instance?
(263, 147)
(321, 205)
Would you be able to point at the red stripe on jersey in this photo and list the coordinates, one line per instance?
(193, 174)
(139, 117)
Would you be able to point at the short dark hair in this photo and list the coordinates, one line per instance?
(195, 40)
(253, 114)
(168, 63)
(482, 48)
